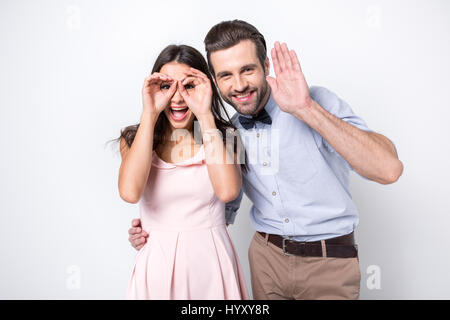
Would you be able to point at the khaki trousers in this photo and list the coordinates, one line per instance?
(277, 276)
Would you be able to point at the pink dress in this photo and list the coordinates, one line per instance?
(189, 253)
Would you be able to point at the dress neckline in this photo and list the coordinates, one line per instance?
(196, 159)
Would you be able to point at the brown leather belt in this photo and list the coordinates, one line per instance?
(339, 247)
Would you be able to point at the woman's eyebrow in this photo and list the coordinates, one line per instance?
(189, 76)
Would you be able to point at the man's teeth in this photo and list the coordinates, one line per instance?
(244, 96)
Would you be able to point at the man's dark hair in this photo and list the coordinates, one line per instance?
(229, 33)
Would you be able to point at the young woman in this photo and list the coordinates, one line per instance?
(182, 185)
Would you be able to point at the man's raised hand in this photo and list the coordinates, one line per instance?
(289, 88)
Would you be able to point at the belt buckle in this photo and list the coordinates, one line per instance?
(284, 247)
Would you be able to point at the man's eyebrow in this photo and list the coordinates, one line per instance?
(223, 73)
(251, 65)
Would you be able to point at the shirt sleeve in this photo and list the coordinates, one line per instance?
(339, 108)
(232, 207)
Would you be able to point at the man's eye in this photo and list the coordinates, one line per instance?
(165, 86)
(248, 70)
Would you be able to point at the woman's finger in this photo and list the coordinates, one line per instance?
(172, 89)
(191, 78)
(199, 73)
(161, 75)
(157, 78)
(153, 80)
(200, 76)
(182, 90)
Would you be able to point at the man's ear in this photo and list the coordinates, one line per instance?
(267, 67)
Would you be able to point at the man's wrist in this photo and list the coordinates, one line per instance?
(306, 112)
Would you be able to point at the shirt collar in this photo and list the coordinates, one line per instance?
(271, 105)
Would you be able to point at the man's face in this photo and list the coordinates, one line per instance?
(240, 77)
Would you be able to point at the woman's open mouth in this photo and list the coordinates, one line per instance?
(244, 97)
(178, 113)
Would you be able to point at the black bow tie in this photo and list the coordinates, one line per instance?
(249, 123)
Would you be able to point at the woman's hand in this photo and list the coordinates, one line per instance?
(198, 98)
(154, 98)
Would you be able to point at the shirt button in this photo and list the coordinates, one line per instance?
(264, 164)
(286, 220)
(257, 135)
(274, 193)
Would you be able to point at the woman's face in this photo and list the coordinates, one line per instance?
(177, 112)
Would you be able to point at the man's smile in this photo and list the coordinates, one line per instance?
(244, 97)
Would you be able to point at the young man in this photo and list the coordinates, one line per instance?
(302, 210)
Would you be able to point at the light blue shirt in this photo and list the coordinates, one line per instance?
(297, 182)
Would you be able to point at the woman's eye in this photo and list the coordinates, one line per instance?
(165, 87)
(189, 86)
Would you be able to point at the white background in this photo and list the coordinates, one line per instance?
(70, 78)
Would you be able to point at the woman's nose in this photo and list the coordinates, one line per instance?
(177, 97)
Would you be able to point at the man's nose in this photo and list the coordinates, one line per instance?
(240, 84)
